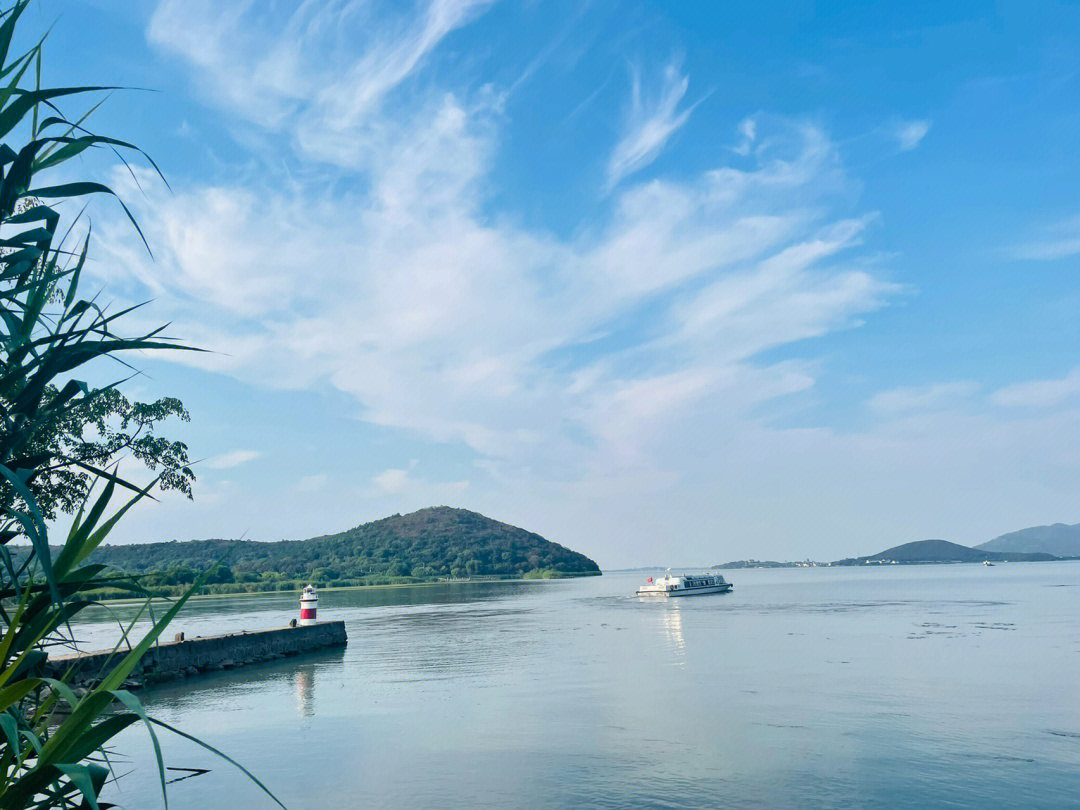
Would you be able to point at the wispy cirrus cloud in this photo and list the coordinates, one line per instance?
(655, 115)
(1059, 241)
(322, 71)
(347, 294)
(442, 321)
(916, 399)
(910, 134)
(232, 459)
(578, 368)
(1039, 393)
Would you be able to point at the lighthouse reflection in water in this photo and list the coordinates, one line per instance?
(305, 691)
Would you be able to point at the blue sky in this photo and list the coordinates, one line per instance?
(666, 283)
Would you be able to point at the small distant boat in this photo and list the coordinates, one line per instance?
(987, 562)
(685, 585)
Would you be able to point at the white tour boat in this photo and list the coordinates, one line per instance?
(686, 585)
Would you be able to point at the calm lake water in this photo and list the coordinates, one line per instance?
(916, 686)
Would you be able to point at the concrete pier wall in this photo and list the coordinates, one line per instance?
(178, 659)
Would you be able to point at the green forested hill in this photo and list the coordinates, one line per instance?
(431, 544)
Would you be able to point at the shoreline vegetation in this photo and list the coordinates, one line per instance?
(297, 585)
(125, 596)
(431, 546)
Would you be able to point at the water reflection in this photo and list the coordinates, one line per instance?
(446, 593)
(227, 688)
(305, 691)
(672, 622)
(469, 640)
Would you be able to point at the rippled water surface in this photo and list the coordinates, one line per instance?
(915, 686)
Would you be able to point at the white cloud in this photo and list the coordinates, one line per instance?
(598, 372)
(415, 491)
(1039, 393)
(265, 63)
(923, 398)
(392, 480)
(312, 483)
(909, 134)
(1060, 242)
(234, 459)
(748, 130)
(324, 74)
(442, 323)
(652, 120)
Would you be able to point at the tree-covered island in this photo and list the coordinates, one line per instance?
(432, 544)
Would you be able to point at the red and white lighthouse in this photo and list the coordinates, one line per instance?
(309, 604)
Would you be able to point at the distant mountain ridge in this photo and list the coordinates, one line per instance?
(1059, 539)
(427, 545)
(943, 551)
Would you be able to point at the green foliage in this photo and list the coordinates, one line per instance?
(94, 432)
(432, 544)
(52, 740)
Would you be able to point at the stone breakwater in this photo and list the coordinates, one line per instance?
(182, 657)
